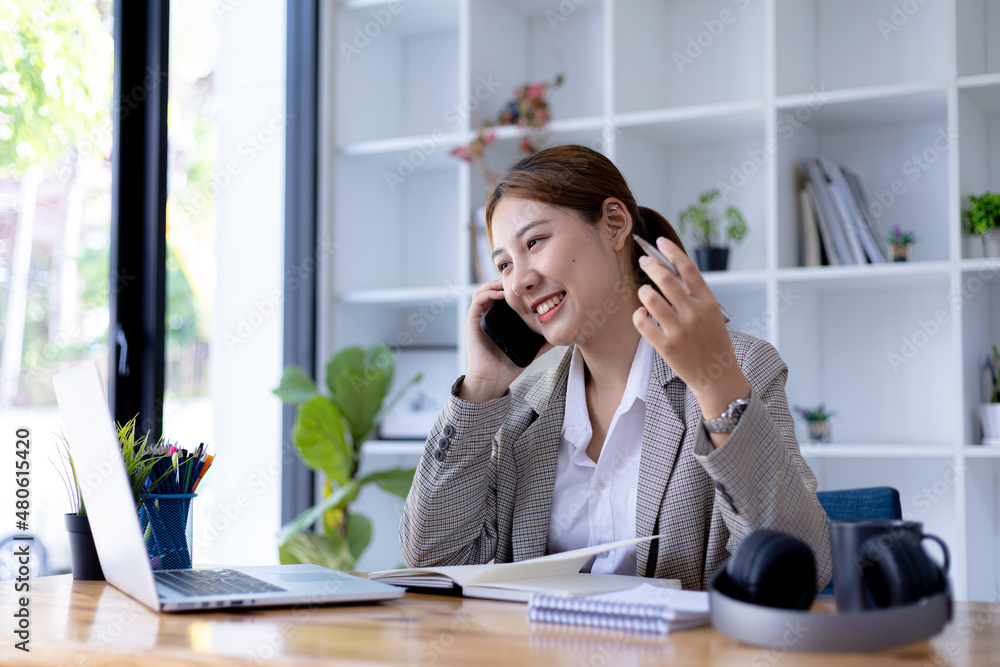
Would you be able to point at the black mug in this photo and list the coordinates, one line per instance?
(882, 563)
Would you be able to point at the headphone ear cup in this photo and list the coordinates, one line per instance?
(775, 570)
(898, 573)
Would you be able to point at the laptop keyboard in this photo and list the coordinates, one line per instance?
(213, 582)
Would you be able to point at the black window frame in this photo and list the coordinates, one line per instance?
(137, 301)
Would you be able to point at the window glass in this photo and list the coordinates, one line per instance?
(56, 72)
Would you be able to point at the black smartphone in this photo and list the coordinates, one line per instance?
(506, 328)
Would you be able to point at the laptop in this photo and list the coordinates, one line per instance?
(118, 537)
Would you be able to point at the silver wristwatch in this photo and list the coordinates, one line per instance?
(729, 419)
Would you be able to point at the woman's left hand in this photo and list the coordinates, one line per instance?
(690, 330)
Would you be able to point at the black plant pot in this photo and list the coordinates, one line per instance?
(86, 565)
(711, 259)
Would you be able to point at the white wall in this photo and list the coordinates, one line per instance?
(238, 512)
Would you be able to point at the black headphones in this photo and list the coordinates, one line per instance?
(762, 594)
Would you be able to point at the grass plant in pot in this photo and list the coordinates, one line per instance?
(83, 553)
(983, 216)
(989, 412)
(328, 433)
(712, 241)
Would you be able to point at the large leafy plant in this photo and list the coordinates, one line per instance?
(706, 221)
(328, 433)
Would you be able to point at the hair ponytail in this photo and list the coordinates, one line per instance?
(650, 225)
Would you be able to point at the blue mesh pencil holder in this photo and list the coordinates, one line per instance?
(168, 529)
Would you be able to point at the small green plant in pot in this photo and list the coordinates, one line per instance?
(328, 433)
(983, 216)
(711, 238)
(989, 412)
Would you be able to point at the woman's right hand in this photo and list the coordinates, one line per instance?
(490, 371)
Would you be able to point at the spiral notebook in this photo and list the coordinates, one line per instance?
(644, 608)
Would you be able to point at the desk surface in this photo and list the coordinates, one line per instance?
(91, 623)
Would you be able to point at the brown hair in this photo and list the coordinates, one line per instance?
(579, 178)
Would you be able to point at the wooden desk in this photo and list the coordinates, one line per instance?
(87, 624)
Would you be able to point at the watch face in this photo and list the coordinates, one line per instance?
(736, 408)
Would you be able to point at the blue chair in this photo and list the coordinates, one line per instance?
(876, 502)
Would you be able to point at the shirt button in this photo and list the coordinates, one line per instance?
(604, 554)
(599, 485)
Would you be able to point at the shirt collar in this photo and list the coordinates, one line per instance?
(576, 422)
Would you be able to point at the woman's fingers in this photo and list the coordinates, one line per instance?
(689, 273)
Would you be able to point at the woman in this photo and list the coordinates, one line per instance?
(657, 420)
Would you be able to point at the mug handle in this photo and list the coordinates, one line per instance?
(944, 548)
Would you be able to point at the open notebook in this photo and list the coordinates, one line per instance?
(554, 574)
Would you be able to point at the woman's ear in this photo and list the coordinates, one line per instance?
(618, 222)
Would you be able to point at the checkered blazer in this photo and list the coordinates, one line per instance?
(483, 487)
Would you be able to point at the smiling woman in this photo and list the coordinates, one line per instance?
(657, 420)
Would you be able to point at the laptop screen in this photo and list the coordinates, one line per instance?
(104, 484)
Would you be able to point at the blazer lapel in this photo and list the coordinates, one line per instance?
(538, 446)
(663, 435)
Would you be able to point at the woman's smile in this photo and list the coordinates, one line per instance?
(548, 308)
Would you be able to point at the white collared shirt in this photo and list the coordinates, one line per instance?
(595, 503)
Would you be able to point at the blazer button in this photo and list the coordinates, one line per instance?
(439, 455)
(449, 430)
(443, 444)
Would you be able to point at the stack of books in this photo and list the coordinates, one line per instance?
(838, 227)
(644, 608)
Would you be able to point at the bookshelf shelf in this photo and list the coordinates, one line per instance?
(893, 349)
(876, 451)
(981, 452)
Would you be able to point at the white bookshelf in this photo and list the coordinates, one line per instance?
(911, 99)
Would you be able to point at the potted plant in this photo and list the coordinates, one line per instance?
(900, 242)
(83, 553)
(989, 412)
(818, 420)
(138, 466)
(705, 222)
(328, 433)
(983, 216)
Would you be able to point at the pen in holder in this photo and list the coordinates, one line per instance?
(168, 529)
(165, 513)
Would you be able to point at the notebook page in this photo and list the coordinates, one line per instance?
(567, 562)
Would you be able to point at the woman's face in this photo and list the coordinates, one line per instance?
(560, 274)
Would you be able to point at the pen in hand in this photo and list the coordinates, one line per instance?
(651, 250)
